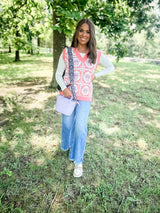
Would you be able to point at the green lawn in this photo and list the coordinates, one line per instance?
(122, 158)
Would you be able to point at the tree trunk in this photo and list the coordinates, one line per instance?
(17, 58)
(59, 43)
(10, 49)
(31, 45)
(143, 50)
(38, 44)
(32, 51)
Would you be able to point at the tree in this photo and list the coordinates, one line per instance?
(65, 14)
(8, 14)
(144, 43)
(119, 20)
(19, 22)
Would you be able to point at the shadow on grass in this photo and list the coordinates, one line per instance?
(36, 175)
(29, 173)
(28, 81)
(24, 58)
(121, 174)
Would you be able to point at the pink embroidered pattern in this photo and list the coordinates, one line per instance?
(83, 72)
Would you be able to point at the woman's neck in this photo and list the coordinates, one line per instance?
(82, 48)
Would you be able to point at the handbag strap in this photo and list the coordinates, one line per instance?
(71, 71)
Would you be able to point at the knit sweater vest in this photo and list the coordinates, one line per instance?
(83, 73)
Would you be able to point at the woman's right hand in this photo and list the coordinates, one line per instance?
(67, 93)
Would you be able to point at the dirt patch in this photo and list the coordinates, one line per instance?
(30, 94)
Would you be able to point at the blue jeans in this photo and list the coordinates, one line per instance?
(74, 131)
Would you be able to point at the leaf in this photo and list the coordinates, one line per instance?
(132, 199)
(57, 28)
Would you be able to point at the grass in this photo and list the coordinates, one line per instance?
(121, 162)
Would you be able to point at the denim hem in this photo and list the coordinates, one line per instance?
(76, 162)
(64, 149)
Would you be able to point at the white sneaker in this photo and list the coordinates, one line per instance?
(78, 170)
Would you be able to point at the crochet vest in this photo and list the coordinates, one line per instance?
(83, 72)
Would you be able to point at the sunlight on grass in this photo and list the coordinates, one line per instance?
(118, 144)
(39, 100)
(153, 111)
(13, 145)
(140, 81)
(47, 142)
(153, 76)
(152, 154)
(122, 157)
(3, 138)
(109, 130)
(142, 144)
(26, 67)
(132, 106)
(104, 85)
(154, 122)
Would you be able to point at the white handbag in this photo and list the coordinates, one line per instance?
(65, 105)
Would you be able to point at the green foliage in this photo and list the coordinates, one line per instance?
(22, 21)
(112, 18)
(119, 20)
(143, 47)
(67, 14)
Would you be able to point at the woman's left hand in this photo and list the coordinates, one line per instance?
(93, 77)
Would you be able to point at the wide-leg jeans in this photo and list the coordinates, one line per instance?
(74, 131)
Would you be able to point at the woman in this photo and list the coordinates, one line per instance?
(86, 59)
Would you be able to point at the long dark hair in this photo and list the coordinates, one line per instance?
(91, 45)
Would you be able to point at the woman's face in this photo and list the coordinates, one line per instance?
(83, 34)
